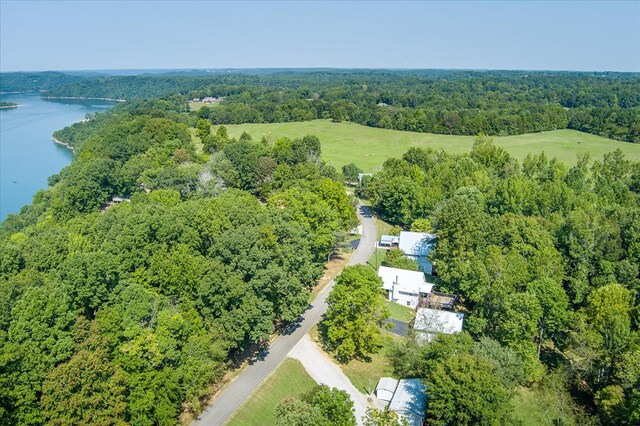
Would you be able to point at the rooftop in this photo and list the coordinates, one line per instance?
(403, 280)
(386, 388)
(410, 400)
(389, 239)
(436, 321)
(416, 243)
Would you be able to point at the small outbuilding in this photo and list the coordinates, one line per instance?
(386, 388)
(389, 241)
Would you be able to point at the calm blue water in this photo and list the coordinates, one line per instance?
(27, 154)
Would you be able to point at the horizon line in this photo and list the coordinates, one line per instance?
(331, 68)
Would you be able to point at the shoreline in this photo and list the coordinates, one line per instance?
(83, 98)
(66, 145)
(11, 106)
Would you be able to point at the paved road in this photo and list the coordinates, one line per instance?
(230, 399)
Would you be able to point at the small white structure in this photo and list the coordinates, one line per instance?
(410, 401)
(389, 241)
(118, 200)
(386, 388)
(362, 175)
(430, 322)
(403, 286)
(418, 245)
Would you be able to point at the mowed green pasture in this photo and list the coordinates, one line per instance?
(369, 147)
(289, 380)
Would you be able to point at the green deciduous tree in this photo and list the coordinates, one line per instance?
(554, 303)
(87, 389)
(395, 258)
(350, 172)
(464, 390)
(386, 417)
(356, 310)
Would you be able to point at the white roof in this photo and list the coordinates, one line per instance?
(416, 243)
(386, 388)
(405, 281)
(436, 321)
(410, 400)
(390, 238)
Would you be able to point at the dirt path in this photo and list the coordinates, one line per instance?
(324, 371)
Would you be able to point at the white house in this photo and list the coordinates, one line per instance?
(410, 401)
(403, 286)
(430, 322)
(418, 245)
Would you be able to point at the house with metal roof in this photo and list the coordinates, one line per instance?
(403, 286)
(430, 322)
(418, 245)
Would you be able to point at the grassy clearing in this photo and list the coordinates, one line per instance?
(368, 147)
(528, 410)
(383, 227)
(364, 375)
(290, 379)
(197, 142)
(372, 260)
(195, 106)
(399, 312)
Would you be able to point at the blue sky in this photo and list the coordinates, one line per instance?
(71, 35)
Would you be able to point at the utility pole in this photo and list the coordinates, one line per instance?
(375, 247)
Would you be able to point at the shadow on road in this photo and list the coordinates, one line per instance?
(365, 212)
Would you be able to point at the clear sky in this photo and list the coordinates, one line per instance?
(69, 35)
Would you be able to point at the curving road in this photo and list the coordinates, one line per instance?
(232, 397)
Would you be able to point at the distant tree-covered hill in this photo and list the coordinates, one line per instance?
(35, 81)
(432, 101)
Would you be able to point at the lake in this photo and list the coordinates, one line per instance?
(28, 156)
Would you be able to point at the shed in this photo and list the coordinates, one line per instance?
(389, 241)
(386, 388)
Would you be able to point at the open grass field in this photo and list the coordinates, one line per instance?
(364, 375)
(368, 147)
(195, 106)
(290, 379)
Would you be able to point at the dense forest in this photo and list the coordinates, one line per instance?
(446, 102)
(114, 313)
(19, 82)
(545, 260)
